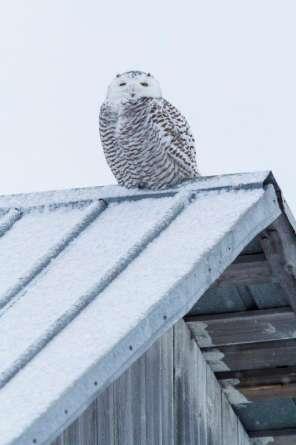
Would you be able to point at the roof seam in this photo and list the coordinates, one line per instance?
(94, 211)
(8, 220)
(180, 202)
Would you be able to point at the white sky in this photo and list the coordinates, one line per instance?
(228, 65)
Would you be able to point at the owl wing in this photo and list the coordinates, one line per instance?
(107, 127)
(180, 141)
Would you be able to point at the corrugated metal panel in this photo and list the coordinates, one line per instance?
(111, 286)
(30, 239)
(91, 257)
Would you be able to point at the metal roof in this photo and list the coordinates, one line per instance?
(91, 277)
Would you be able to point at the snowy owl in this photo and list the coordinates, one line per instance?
(146, 141)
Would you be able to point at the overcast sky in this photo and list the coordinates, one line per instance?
(228, 65)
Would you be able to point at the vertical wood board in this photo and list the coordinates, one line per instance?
(169, 396)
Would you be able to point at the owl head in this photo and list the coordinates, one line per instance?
(131, 86)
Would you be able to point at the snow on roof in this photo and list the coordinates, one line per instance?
(90, 278)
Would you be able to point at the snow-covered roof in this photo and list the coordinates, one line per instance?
(90, 278)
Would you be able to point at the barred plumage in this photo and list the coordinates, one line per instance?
(146, 141)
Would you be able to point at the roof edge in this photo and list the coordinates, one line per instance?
(270, 179)
(117, 193)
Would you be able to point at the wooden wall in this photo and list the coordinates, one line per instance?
(168, 397)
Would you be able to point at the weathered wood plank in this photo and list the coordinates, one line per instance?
(153, 394)
(285, 440)
(214, 406)
(137, 409)
(214, 410)
(167, 388)
(229, 424)
(243, 438)
(88, 427)
(138, 400)
(246, 273)
(167, 397)
(201, 389)
(105, 417)
(253, 377)
(279, 246)
(186, 404)
(263, 384)
(123, 420)
(250, 258)
(243, 327)
(58, 441)
(71, 434)
(252, 356)
(268, 392)
(273, 433)
(204, 415)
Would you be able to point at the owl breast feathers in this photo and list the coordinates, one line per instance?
(147, 143)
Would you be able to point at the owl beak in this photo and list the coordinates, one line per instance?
(132, 92)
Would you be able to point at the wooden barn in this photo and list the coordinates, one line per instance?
(131, 317)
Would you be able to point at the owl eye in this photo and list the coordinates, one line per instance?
(144, 84)
(122, 84)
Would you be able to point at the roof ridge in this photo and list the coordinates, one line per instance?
(118, 193)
